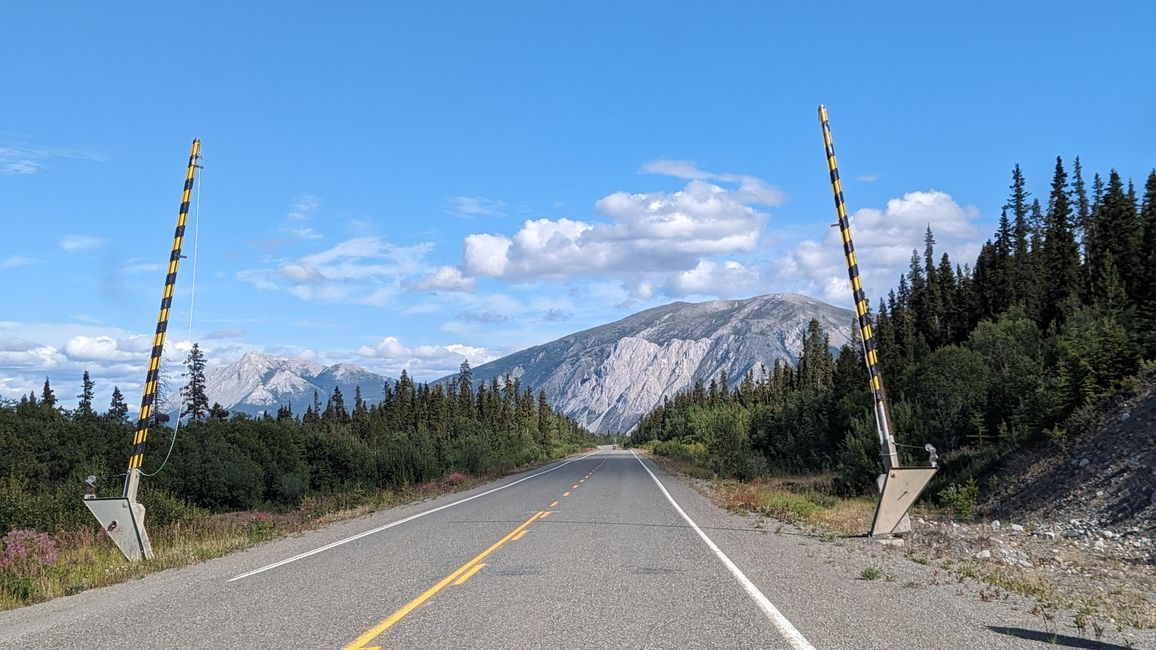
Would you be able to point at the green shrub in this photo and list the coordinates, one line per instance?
(961, 499)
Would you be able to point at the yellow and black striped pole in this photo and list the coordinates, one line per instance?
(870, 354)
(147, 403)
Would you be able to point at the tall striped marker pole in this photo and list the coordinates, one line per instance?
(899, 487)
(122, 518)
(147, 402)
(870, 355)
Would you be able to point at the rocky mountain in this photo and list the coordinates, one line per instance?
(259, 382)
(608, 376)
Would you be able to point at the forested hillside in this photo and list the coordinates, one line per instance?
(1016, 350)
(222, 463)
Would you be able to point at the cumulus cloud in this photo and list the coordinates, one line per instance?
(106, 348)
(646, 232)
(729, 279)
(445, 278)
(80, 243)
(884, 240)
(21, 353)
(425, 362)
(476, 206)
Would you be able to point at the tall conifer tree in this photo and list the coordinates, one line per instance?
(1061, 257)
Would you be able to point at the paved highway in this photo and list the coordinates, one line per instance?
(603, 550)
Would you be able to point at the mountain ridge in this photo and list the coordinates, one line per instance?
(607, 376)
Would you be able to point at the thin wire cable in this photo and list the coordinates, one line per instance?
(192, 301)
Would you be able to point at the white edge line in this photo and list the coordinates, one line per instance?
(400, 521)
(786, 629)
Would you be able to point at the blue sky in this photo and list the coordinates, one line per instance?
(407, 185)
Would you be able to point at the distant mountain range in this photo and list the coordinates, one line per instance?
(609, 376)
(605, 377)
(257, 382)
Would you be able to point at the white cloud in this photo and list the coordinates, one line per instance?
(867, 178)
(300, 214)
(678, 168)
(750, 190)
(476, 206)
(445, 278)
(425, 362)
(729, 279)
(80, 243)
(300, 273)
(106, 348)
(362, 270)
(655, 232)
(486, 254)
(884, 240)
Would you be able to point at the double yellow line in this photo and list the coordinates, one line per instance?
(458, 577)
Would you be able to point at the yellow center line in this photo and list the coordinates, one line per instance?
(521, 535)
(554, 505)
(574, 487)
(474, 569)
(544, 515)
(565, 494)
(377, 630)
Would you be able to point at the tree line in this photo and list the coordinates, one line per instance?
(222, 462)
(1057, 313)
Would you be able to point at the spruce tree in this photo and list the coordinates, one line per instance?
(1020, 264)
(335, 407)
(1083, 210)
(193, 397)
(117, 407)
(84, 407)
(47, 396)
(1060, 256)
(1146, 295)
(1116, 237)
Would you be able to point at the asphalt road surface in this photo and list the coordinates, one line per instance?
(603, 550)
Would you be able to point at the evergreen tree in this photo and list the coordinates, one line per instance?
(1020, 269)
(465, 392)
(117, 407)
(193, 396)
(47, 396)
(1083, 209)
(335, 408)
(1116, 237)
(84, 407)
(1060, 255)
(1146, 294)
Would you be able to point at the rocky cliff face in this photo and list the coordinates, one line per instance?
(608, 376)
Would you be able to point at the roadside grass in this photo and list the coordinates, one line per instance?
(799, 500)
(36, 567)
